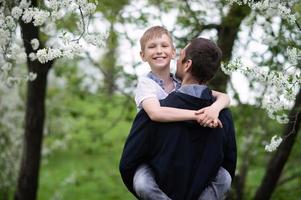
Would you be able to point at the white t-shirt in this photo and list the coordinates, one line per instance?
(147, 88)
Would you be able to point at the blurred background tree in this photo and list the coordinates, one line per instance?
(90, 106)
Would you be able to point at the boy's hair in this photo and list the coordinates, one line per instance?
(206, 58)
(154, 32)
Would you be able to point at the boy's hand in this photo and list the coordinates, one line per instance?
(208, 117)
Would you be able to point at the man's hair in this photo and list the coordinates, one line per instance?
(154, 32)
(206, 58)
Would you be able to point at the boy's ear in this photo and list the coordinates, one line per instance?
(142, 56)
(173, 55)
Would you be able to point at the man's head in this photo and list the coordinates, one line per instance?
(200, 60)
(157, 47)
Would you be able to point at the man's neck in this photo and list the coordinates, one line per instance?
(191, 80)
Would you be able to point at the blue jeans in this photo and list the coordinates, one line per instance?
(147, 189)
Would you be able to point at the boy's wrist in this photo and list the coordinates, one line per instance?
(217, 107)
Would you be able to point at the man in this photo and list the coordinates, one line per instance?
(183, 157)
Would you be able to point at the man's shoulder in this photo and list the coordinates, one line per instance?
(185, 101)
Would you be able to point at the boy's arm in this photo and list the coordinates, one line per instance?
(210, 113)
(222, 100)
(166, 114)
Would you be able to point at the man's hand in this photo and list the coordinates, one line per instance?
(208, 117)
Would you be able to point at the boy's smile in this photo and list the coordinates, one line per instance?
(158, 52)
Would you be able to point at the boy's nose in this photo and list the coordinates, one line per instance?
(158, 50)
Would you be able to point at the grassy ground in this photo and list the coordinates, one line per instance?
(86, 169)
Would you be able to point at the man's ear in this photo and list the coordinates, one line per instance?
(187, 65)
(142, 56)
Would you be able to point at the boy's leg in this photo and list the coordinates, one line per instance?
(145, 185)
(218, 187)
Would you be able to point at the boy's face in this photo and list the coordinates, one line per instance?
(158, 52)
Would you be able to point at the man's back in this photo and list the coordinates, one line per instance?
(183, 155)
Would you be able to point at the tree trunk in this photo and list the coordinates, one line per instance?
(3, 195)
(279, 159)
(109, 63)
(227, 34)
(27, 185)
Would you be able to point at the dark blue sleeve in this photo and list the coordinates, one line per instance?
(230, 149)
(136, 149)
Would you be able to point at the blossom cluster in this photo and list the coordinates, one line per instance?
(13, 53)
(281, 88)
(275, 142)
(269, 7)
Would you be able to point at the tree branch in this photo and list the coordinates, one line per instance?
(200, 26)
(290, 178)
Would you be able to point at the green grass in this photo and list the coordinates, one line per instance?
(86, 169)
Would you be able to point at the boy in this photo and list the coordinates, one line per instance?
(157, 50)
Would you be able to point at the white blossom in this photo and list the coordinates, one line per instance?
(18, 54)
(6, 67)
(10, 81)
(269, 8)
(32, 56)
(10, 22)
(293, 55)
(89, 8)
(232, 66)
(40, 17)
(71, 49)
(4, 38)
(81, 2)
(45, 55)
(28, 15)
(49, 29)
(32, 76)
(53, 4)
(97, 40)
(35, 44)
(24, 4)
(273, 144)
(16, 12)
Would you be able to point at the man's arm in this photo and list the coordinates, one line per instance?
(230, 149)
(209, 162)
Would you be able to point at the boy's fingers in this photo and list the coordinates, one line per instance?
(207, 123)
(215, 123)
(199, 111)
(201, 119)
(220, 124)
